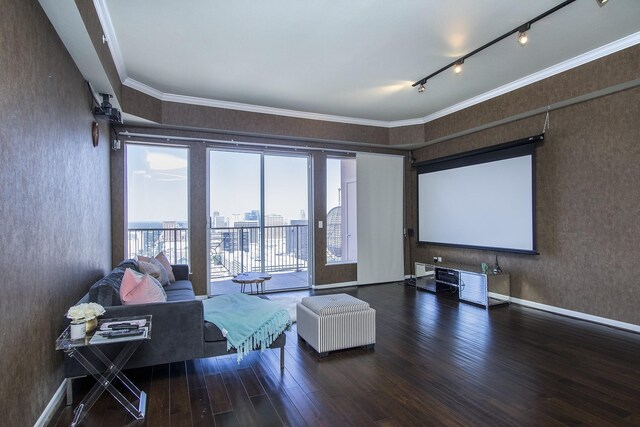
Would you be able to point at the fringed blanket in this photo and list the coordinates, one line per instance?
(248, 322)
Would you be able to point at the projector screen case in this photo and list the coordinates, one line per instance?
(481, 199)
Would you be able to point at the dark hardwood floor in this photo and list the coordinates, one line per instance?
(436, 362)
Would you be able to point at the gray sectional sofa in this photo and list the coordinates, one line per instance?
(179, 331)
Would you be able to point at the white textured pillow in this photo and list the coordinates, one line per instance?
(153, 268)
(164, 262)
(167, 265)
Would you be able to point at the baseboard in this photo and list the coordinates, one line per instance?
(53, 405)
(335, 285)
(578, 315)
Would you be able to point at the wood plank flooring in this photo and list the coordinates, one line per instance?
(436, 362)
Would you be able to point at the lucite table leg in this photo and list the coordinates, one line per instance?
(105, 382)
(119, 375)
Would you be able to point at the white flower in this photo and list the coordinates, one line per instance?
(85, 311)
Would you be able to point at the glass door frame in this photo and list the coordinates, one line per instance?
(263, 153)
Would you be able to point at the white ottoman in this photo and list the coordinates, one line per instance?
(335, 322)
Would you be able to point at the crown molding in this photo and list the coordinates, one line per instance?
(561, 67)
(192, 100)
(105, 20)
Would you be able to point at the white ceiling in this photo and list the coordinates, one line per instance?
(353, 60)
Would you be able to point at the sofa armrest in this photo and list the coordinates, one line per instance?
(177, 334)
(180, 271)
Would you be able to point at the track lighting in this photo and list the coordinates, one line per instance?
(522, 34)
(457, 69)
(522, 40)
(602, 2)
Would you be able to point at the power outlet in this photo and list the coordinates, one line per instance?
(435, 259)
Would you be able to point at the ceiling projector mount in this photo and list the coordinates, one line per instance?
(106, 111)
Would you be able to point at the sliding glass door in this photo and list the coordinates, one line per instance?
(258, 206)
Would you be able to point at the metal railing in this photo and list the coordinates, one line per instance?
(234, 250)
(151, 241)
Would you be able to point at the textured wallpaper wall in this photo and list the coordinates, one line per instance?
(588, 205)
(55, 236)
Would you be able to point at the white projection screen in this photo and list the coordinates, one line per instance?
(484, 201)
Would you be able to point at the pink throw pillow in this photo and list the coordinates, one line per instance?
(137, 288)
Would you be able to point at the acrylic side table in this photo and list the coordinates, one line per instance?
(105, 370)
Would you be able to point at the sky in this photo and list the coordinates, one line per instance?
(157, 183)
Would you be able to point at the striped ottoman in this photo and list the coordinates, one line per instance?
(336, 322)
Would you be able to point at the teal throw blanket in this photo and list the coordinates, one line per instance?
(248, 322)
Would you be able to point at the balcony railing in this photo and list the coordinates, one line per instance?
(232, 249)
(237, 249)
(151, 241)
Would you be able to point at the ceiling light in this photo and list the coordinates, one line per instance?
(457, 69)
(522, 34)
(602, 2)
(522, 40)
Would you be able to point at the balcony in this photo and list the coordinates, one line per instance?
(237, 249)
(233, 250)
(151, 241)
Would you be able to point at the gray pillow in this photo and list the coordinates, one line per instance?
(154, 268)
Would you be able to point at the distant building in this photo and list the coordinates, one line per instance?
(254, 215)
(245, 223)
(219, 221)
(234, 240)
(251, 232)
(273, 220)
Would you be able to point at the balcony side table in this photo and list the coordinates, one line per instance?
(250, 278)
(111, 370)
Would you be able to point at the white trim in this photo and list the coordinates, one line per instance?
(112, 41)
(206, 102)
(134, 84)
(577, 315)
(577, 61)
(335, 285)
(52, 406)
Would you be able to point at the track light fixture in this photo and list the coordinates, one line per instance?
(522, 40)
(457, 69)
(602, 2)
(522, 34)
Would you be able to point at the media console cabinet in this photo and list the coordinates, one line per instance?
(467, 281)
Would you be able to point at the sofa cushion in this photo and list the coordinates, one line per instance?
(106, 291)
(180, 294)
(212, 333)
(138, 288)
(179, 285)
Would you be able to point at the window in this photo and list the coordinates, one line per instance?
(342, 225)
(157, 201)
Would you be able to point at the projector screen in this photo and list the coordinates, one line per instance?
(480, 200)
